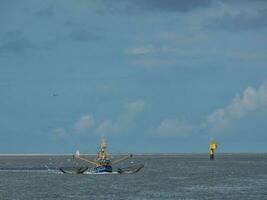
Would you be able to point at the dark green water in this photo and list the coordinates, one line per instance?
(181, 176)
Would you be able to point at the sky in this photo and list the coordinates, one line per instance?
(149, 76)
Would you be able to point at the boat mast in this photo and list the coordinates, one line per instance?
(102, 154)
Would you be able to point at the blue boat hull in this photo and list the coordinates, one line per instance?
(103, 168)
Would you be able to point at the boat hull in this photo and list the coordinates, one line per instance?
(103, 168)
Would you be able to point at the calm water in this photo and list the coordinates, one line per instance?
(183, 176)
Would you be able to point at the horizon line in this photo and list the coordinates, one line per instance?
(138, 154)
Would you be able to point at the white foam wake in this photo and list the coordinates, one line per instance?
(99, 173)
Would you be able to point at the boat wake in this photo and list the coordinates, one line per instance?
(31, 170)
(100, 173)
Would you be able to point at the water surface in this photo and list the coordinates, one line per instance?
(179, 176)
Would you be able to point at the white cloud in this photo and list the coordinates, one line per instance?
(118, 126)
(251, 100)
(106, 126)
(136, 106)
(142, 50)
(124, 122)
(85, 122)
(175, 127)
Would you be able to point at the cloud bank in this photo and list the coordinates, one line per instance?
(87, 124)
(124, 122)
(175, 127)
(241, 106)
(217, 122)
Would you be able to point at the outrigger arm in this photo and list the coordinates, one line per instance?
(122, 159)
(85, 159)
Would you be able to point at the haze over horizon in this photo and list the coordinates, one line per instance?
(148, 75)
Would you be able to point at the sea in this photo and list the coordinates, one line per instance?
(165, 176)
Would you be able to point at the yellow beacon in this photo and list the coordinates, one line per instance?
(213, 146)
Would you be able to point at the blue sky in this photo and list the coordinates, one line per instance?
(148, 75)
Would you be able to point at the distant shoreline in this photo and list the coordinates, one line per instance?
(136, 154)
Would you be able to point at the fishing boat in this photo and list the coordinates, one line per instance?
(103, 164)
